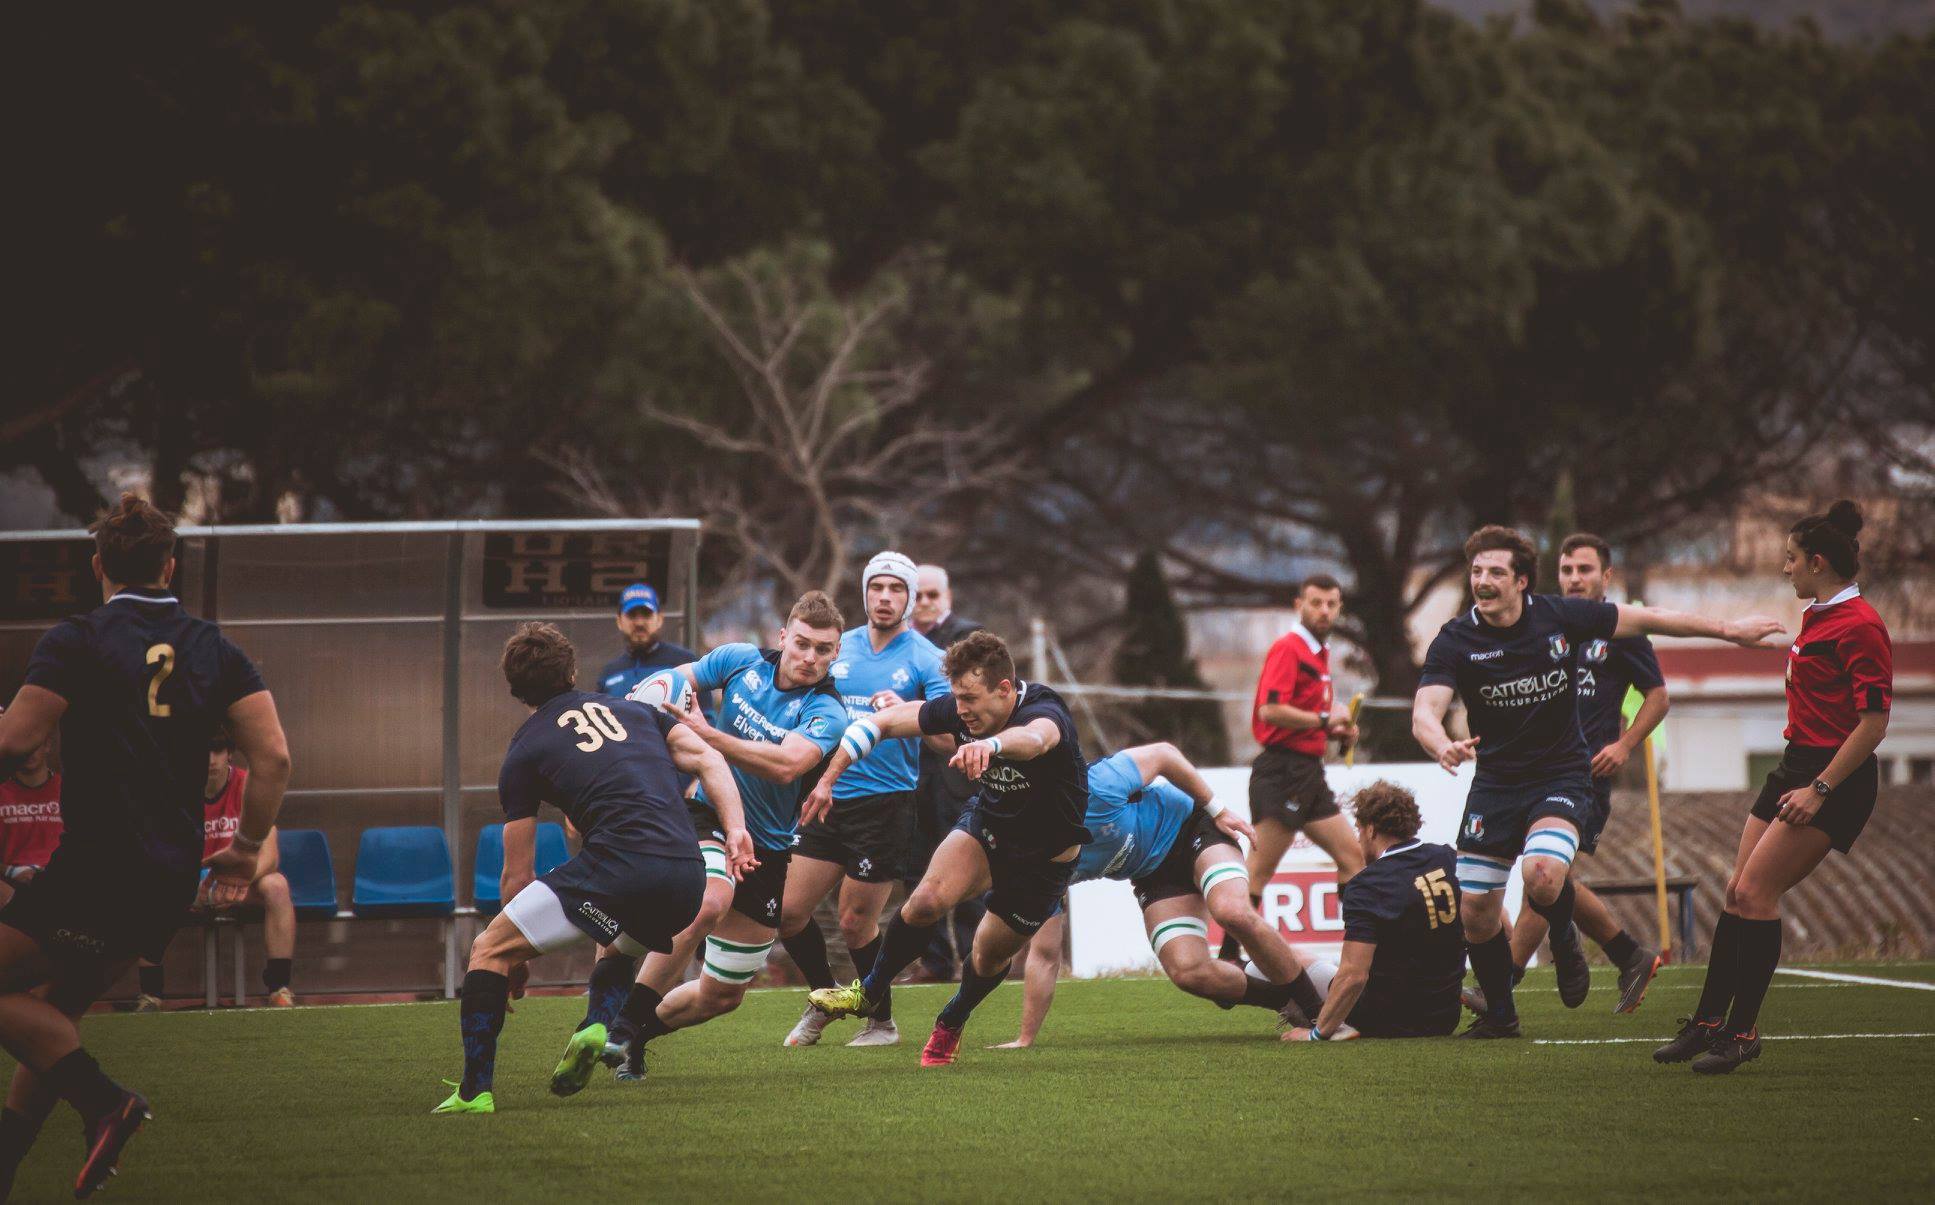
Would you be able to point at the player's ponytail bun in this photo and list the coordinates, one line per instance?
(1834, 537)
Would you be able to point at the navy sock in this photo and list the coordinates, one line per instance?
(1759, 942)
(1558, 915)
(807, 949)
(77, 1079)
(151, 980)
(17, 1134)
(974, 989)
(899, 946)
(485, 996)
(611, 981)
(1491, 962)
(277, 972)
(1723, 969)
(863, 959)
(638, 1020)
(1620, 947)
(1261, 993)
(1304, 993)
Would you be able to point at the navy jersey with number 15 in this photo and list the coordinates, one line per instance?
(147, 685)
(1517, 684)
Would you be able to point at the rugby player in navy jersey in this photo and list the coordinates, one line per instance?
(778, 719)
(1606, 669)
(611, 766)
(1017, 841)
(1511, 660)
(1404, 951)
(137, 687)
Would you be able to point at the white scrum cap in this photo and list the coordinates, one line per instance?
(889, 564)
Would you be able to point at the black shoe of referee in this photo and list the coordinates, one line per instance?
(1695, 1038)
(106, 1136)
(1569, 960)
(1728, 1051)
(1488, 1027)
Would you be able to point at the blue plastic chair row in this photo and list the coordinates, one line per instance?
(403, 872)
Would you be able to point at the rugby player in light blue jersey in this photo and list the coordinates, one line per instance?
(778, 718)
(863, 844)
(1157, 825)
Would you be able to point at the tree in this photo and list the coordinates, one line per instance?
(1155, 652)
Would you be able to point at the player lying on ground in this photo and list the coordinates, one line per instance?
(778, 717)
(1511, 659)
(1840, 685)
(861, 846)
(1404, 952)
(1604, 671)
(1018, 839)
(609, 766)
(137, 687)
(1157, 825)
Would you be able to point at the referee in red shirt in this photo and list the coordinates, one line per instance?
(1292, 720)
(1840, 679)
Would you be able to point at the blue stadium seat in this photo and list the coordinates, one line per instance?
(310, 870)
(488, 865)
(402, 872)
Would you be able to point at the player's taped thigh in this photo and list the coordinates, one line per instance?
(734, 962)
(715, 862)
(1558, 844)
(539, 915)
(1221, 872)
(1481, 874)
(1176, 926)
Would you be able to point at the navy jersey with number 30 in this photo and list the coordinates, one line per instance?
(147, 685)
(604, 763)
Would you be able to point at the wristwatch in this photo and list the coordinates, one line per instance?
(1323, 719)
(1821, 788)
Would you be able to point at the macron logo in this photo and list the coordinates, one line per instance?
(1487, 656)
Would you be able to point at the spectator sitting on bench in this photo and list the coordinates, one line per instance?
(29, 819)
(222, 815)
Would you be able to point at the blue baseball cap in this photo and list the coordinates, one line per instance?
(638, 595)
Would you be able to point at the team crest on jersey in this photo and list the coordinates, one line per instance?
(866, 866)
(816, 726)
(754, 681)
(902, 678)
(840, 670)
(1559, 646)
(793, 708)
(1595, 650)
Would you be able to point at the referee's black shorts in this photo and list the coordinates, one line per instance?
(1844, 813)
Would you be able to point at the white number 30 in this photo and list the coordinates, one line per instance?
(600, 725)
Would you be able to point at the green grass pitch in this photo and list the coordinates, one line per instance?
(1135, 1093)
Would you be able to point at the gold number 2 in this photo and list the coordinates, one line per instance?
(1433, 887)
(164, 656)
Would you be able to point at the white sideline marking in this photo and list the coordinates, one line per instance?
(1870, 980)
(1772, 1037)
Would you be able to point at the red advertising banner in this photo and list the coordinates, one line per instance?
(1302, 904)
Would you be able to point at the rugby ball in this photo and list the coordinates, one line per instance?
(666, 690)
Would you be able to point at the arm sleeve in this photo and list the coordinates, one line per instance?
(239, 679)
(1587, 618)
(1279, 679)
(1642, 664)
(1439, 668)
(822, 721)
(933, 682)
(1360, 915)
(520, 789)
(1870, 658)
(711, 671)
(59, 661)
(939, 717)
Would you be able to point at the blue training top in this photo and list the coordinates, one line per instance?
(754, 708)
(910, 666)
(1134, 825)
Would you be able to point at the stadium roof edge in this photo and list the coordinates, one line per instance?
(448, 526)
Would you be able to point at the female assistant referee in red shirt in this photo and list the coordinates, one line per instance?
(1840, 678)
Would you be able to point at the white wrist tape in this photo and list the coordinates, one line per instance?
(860, 738)
(994, 746)
(1215, 807)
